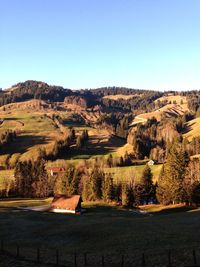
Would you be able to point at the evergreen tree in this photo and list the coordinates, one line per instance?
(128, 195)
(170, 184)
(108, 188)
(40, 179)
(96, 178)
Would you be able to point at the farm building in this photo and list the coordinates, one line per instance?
(66, 204)
(151, 162)
(56, 170)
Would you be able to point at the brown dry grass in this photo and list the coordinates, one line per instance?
(193, 129)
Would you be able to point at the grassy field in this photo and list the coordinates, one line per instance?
(35, 130)
(102, 229)
(193, 129)
(126, 173)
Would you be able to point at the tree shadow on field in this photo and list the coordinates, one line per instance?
(174, 210)
(23, 143)
(188, 128)
(101, 210)
(96, 146)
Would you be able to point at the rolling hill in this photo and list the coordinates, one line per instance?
(179, 107)
(41, 114)
(193, 129)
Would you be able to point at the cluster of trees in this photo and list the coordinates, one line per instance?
(179, 179)
(77, 100)
(94, 184)
(116, 122)
(63, 147)
(193, 148)
(193, 99)
(34, 89)
(7, 137)
(31, 179)
(109, 162)
(152, 139)
(141, 102)
(82, 139)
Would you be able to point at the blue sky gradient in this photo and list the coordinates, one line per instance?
(150, 44)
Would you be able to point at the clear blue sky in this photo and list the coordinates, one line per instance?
(151, 44)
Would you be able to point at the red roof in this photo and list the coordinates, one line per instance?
(66, 202)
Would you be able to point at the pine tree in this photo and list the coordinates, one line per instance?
(147, 183)
(108, 188)
(128, 199)
(170, 184)
(40, 179)
(96, 178)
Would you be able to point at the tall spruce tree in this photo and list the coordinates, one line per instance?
(145, 189)
(96, 178)
(170, 184)
(108, 188)
(128, 199)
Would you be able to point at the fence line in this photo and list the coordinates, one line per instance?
(166, 258)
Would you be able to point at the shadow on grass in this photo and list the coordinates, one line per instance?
(23, 143)
(173, 210)
(110, 210)
(94, 147)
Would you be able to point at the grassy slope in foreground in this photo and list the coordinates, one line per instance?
(103, 229)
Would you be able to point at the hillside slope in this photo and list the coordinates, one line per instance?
(179, 107)
(193, 129)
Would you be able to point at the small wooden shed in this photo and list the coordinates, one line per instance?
(66, 204)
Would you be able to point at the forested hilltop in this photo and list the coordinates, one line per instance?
(114, 144)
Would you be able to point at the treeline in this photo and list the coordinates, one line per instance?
(31, 179)
(178, 182)
(116, 122)
(33, 90)
(152, 139)
(193, 98)
(63, 146)
(113, 90)
(179, 179)
(140, 103)
(92, 183)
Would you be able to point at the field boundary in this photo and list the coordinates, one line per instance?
(174, 257)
